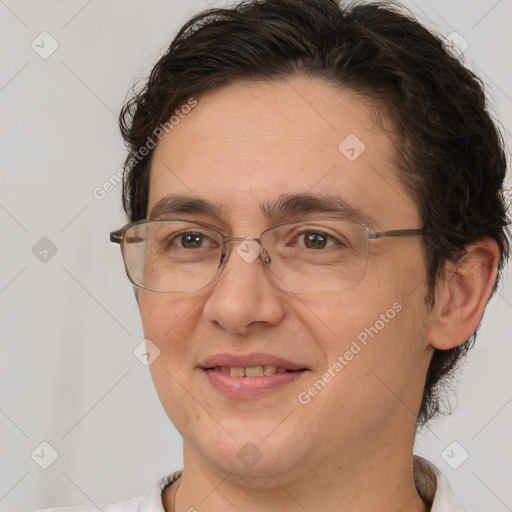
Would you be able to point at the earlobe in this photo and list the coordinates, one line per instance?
(463, 293)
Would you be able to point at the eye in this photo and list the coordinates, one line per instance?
(191, 240)
(314, 240)
(317, 239)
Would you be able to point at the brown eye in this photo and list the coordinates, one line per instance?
(315, 240)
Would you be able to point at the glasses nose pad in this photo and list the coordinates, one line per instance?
(265, 258)
(222, 258)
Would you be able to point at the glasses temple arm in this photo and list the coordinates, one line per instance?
(397, 232)
(116, 237)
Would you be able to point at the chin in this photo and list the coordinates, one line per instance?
(249, 456)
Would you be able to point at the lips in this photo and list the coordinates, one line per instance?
(251, 361)
(249, 376)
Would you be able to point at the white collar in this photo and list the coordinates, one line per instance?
(432, 486)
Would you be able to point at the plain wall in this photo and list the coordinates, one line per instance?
(69, 324)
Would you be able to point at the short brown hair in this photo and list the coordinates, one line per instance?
(448, 149)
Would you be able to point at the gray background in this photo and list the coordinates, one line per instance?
(69, 323)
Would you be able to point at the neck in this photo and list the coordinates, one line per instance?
(376, 479)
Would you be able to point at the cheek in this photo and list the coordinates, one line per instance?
(160, 312)
(168, 323)
(362, 316)
(377, 327)
(374, 360)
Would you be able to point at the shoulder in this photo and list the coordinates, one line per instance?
(434, 487)
(150, 501)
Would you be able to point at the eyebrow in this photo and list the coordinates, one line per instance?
(278, 209)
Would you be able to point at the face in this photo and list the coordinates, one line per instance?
(359, 356)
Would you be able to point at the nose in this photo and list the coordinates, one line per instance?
(243, 297)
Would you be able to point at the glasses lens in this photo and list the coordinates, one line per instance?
(171, 256)
(305, 257)
(317, 255)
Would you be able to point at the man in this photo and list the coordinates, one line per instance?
(317, 225)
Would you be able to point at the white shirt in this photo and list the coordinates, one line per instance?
(431, 484)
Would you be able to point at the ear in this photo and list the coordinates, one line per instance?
(462, 294)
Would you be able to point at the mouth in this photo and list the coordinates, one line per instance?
(250, 371)
(245, 377)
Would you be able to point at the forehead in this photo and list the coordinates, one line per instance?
(246, 144)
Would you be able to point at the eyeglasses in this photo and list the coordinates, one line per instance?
(301, 256)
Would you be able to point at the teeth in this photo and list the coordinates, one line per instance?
(251, 371)
(254, 371)
(269, 369)
(236, 372)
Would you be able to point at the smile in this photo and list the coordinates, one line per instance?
(251, 371)
(243, 377)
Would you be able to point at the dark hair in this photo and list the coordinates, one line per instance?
(449, 152)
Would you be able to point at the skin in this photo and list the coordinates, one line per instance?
(350, 447)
